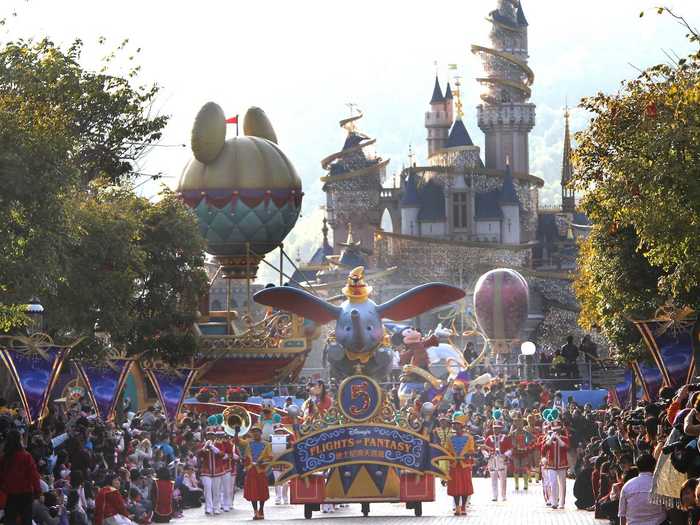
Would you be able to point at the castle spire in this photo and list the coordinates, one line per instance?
(437, 93)
(568, 198)
(324, 231)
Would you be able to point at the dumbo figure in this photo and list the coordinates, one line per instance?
(359, 332)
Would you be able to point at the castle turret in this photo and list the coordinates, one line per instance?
(506, 117)
(510, 207)
(438, 120)
(410, 206)
(568, 196)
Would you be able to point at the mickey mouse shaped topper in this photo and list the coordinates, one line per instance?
(359, 331)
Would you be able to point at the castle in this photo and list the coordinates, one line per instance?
(462, 211)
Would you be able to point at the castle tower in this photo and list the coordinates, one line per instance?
(439, 119)
(353, 186)
(505, 116)
(510, 207)
(568, 196)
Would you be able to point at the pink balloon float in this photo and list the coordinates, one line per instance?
(501, 303)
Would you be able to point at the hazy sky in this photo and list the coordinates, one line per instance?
(302, 61)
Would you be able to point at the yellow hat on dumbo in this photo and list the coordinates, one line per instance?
(356, 288)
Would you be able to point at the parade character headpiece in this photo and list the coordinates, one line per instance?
(411, 335)
(551, 417)
(497, 415)
(356, 289)
(458, 418)
(256, 428)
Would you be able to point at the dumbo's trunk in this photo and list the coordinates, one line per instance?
(358, 340)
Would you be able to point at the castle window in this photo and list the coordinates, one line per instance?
(509, 223)
(459, 210)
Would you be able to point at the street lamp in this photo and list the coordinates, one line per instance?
(35, 312)
(527, 349)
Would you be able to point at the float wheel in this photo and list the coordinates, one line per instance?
(308, 511)
(365, 509)
(418, 508)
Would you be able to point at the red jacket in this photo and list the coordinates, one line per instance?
(556, 453)
(108, 503)
(19, 475)
(163, 500)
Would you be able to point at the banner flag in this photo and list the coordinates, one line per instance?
(104, 384)
(171, 387)
(651, 379)
(375, 444)
(671, 349)
(622, 393)
(34, 375)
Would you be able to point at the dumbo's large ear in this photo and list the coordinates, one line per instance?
(298, 302)
(418, 300)
(208, 132)
(256, 124)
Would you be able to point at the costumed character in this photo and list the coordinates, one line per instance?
(442, 434)
(110, 508)
(497, 448)
(460, 447)
(534, 427)
(228, 478)
(212, 464)
(162, 494)
(280, 441)
(359, 332)
(446, 352)
(522, 442)
(257, 454)
(415, 353)
(544, 472)
(554, 448)
(268, 418)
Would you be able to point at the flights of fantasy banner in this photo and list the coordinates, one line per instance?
(104, 383)
(34, 373)
(171, 387)
(361, 444)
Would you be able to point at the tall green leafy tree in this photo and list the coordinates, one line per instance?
(72, 231)
(638, 166)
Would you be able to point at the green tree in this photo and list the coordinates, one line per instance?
(637, 164)
(72, 231)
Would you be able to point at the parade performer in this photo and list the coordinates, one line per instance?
(442, 434)
(416, 350)
(281, 440)
(257, 454)
(534, 427)
(212, 470)
(497, 448)
(228, 478)
(554, 448)
(523, 443)
(162, 493)
(460, 447)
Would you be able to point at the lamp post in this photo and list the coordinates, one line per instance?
(527, 349)
(35, 312)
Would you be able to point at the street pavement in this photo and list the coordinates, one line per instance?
(526, 508)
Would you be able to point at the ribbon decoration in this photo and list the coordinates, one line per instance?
(171, 386)
(373, 444)
(34, 375)
(678, 320)
(104, 383)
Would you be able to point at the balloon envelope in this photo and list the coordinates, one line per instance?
(501, 304)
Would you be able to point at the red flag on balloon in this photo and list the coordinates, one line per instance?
(232, 120)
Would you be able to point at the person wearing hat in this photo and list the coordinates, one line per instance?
(280, 442)
(256, 456)
(442, 434)
(523, 443)
(497, 448)
(229, 460)
(554, 448)
(460, 447)
(212, 470)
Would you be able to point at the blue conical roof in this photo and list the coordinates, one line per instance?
(437, 92)
(448, 92)
(521, 15)
(410, 193)
(459, 136)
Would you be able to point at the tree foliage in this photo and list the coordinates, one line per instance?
(638, 165)
(72, 230)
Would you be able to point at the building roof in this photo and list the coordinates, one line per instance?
(521, 15)
(409, 198)
(508, 195)
(432, 202)
(352, 258)
(487, 206)
(437, 92)
(301, 277)
(459, 136)
(353, 139)
(566, 168)
(448, 92)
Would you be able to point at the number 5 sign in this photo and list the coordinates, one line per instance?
(359, 398)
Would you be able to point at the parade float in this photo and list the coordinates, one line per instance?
(361, 449)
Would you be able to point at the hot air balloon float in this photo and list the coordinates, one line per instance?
(247, 197)
(501, 303)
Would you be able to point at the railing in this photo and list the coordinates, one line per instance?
(581, 374)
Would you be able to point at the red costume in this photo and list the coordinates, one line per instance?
(416, 352)
(555, 452)
(162, 500)
(461, 449)
(19, 474)
(257, 454)
(108, 503)
(212, 463)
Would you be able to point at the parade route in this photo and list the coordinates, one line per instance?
(522, 508)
